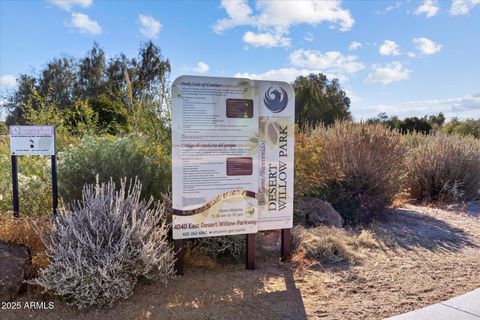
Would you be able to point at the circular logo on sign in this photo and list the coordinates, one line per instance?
(275, 99)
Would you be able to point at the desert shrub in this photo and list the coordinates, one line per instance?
(311, 170)
(34, 183)
(102, 245)
(28, 232)
(112, 114)
(357, 168)
(230, 247)
(3, 128)
(323, 244)
(469, 127)
(442, 168)
(114, 158)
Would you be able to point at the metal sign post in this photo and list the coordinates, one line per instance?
(285, 245)
(179, 253)
(250, 254)
(32, 141)
(16, 207)
(54, 184)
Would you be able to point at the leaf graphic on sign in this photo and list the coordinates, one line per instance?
(272, 135)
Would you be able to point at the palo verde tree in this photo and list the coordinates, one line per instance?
(319, 100)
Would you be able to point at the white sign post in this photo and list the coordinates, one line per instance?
(32, 141)
(232, 158)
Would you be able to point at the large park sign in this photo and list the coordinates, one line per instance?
(233, 144)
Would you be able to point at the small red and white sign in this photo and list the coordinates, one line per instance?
(32, 140)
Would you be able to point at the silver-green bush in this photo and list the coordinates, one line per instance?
(100, 247)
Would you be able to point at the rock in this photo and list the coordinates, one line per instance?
(15, 262)
(317, 212)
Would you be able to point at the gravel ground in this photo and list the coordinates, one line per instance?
(425, 255)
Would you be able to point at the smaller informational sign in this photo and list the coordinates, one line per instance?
(32, 140)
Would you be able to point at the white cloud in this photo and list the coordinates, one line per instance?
(201, 67)
(429, 7)
(8, 82)
(389, 48)
(427, 46)
(354, 46)
(276, 17)
(391, 7)
(309, 37)
(412, 55)
(330, 62)
(150, 27)
(69, 4)
(461, 7)
(304, 62)
(283, 14)
(267, 40)
(282, 74)
(239, 13)
(388, 73)
(463, 107)
(84, 24)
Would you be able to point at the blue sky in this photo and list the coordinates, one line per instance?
(407, 58)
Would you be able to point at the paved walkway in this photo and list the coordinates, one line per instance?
(465, 307)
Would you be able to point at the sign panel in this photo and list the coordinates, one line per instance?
(232, 156)
(32, 140)
(276, 147)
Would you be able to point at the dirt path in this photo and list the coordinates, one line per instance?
(425, 256)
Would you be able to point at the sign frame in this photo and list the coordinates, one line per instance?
(272, 100)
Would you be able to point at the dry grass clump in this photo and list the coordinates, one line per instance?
(230, 247)
(27, 232)
(367, 239)
(327, 245)
(196, 259)
(355, 166)
(442, 168)
(101, 246)
(323, 244)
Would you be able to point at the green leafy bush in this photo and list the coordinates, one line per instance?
(469, 127)
(112, 114)
(442, 168)
(355, 166)
(114, 158)
(3, 128)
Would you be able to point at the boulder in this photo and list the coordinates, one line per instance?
(318, 212)
(15, 262)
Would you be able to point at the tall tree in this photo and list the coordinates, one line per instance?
(318, 100)
(57, 81)
(91, 73)
(123, 86)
